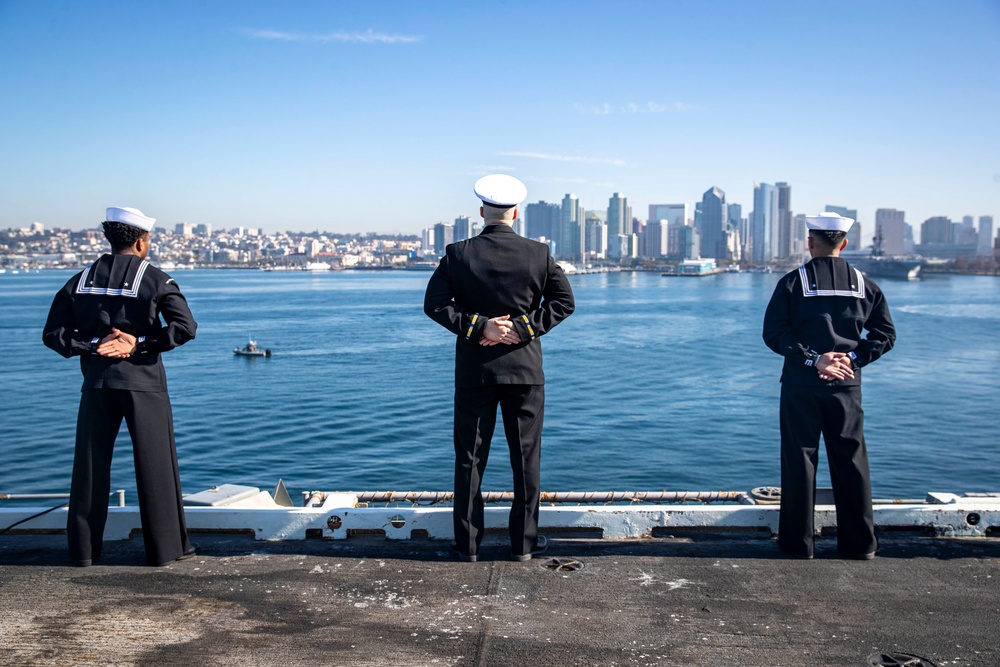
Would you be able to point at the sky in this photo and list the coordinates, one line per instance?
(379, 116)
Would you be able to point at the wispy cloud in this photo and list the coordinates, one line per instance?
(367, 37)
(606, 109)
(580, 159)
(596, 110)
(653, 107)
(493, 168)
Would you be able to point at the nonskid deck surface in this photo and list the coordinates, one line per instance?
(697, 600)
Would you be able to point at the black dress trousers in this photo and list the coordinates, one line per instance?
(522, 409)
(836, 413)
(150, 424)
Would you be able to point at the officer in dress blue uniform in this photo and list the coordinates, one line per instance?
(829, 321)
(109, 315)
(498, 293)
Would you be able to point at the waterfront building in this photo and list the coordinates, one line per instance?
(619, 215)
(938, 229)
(597, 238)
(542, 220)
(712, 225)
(697, 267)
(985, 234)
(427, 240)
(684, 241)
(462, 228)
(763, 223)
(800, 247)
(784, 220)
(572, 229)
(854, 233)
(443, 236)
(670, 212)
(890, 226)
(967, 231)
(656, 237)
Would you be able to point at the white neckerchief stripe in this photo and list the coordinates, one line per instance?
(131, 293)
(858, 293)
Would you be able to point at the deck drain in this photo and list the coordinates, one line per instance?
(899, 660)
(563, 565)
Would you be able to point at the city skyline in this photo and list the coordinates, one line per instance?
(354, 118)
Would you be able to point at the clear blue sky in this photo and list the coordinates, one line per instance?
(379, 116)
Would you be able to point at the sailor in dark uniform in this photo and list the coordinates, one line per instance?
(498, 293)
(816, 319)
(110, 316)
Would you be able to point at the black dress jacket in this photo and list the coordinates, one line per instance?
(498, 273)
(827, 305)
(130, 294)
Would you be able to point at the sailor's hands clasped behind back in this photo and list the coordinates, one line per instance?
(834, 366)
(499, 331)
(117, 345)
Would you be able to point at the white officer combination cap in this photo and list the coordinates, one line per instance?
(129, 216)
(501, 190)
(828, 222)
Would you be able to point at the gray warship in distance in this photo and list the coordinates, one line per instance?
(878, 265)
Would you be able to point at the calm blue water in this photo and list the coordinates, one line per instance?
(655, 383)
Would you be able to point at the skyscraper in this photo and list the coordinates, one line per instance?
(619, 215)
(854, 233)
(443, 236)
(784, 220)
(890, 228)
(938, 229)
(462, 228)
(597, 238)
(763, 223)
(984, 247)
(542, 219)
(670, 212)
(713, 223)
(572, 229)
(656, 237)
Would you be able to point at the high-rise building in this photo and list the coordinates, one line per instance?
(763, 223)
(938, 229)
(597, 238)
(784, 220)
(619, 215)
(572, 229)
(800, 247)
(203, 229)
(462, 228)
(427, 240)
(967, 233)
(184, 228)
(670, 212)
(542, 220)
(854, 233)
(985, 234)
(890, 229)
(712, 224)
(443, 236)
(656, 236)
(684, 242)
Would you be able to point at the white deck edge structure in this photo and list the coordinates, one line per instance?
(340, 515)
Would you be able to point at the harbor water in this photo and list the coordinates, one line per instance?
(655, 383)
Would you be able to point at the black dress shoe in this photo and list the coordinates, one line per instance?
(465, 558)
(541, 544)
(83, 563)
(193, 551)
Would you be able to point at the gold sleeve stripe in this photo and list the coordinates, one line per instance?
(472, 325)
